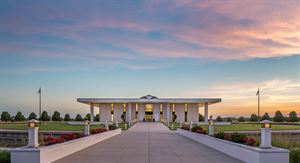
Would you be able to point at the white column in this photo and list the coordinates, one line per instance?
(92, 112)
(168, 113)
(128, 119)
(206, 112)
(99, 113)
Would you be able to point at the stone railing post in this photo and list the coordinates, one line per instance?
(33, 133)
(211, 127)
(265, 134)
(106, 125)
(86, 130)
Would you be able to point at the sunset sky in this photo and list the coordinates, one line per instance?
(166, 48)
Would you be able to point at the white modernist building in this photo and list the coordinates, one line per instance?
(149, 108)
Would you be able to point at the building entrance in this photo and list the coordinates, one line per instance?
(148, 112)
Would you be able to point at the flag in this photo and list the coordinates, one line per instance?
(257, 93)
(39, 91)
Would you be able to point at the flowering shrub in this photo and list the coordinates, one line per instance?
(49, 140)
(236, 137)
(227, 136)
(185, 127)
(249, 141)
(220, 135)
(97, 130)
(199, 130)
(112, 127)
(195, 128)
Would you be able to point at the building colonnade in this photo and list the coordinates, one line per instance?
(185, 112)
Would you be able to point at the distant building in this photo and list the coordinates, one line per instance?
(149, 108)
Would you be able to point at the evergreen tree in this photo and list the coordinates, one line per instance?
(5, 116)
(254, 118)
(32, 115)
(67, 117)
(219, 119)
(97, 117)
(20, 117)
(56, 116)
(241, 119)
(229, 119)
(278, 117)
(266, 117)
(87, 117)
(45, 116)
(78, 117)
(293, 117)
(201, 118)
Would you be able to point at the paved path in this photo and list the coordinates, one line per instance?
(148, 143)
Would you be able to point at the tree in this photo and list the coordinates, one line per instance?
(229, 119)
(67, 117)
(123, 117)
(266, 117)
(174, 117)
(278, 117)
(201, 118)
(293, 117)
(45, 116)
(219, 119)
(87, 117)
(254, 118)
(32, 115)
(56, 116)
(19, 117)
(78, 117)
(97, 117)
(5, 116)
(241, 119)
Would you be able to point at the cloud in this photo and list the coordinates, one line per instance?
(211, 30)
(240, 97)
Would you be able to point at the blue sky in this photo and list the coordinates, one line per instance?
(168, 49)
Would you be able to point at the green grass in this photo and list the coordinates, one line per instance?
(48, 126)
(253, 127)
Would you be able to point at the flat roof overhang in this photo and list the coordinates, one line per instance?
(200, 101)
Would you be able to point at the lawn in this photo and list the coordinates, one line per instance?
(48, 126)
(254, 127)
(248, 127)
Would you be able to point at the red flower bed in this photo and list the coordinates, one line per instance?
(237, 138)
(97, 130)
(249, 141)
(201, 131)
(49, 140)
(185, 127)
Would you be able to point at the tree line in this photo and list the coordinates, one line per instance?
(6, 116)
(278, 117)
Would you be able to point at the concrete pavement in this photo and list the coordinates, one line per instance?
(148, 143)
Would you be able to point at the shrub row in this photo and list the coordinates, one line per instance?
(199, 130)
(4, 156)
(236, 137)
(97, 130)
(49, 140)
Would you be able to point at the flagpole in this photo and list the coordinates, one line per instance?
(40, 102)
(258, 107)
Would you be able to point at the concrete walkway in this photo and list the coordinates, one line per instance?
(148, 143)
